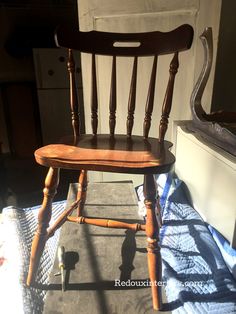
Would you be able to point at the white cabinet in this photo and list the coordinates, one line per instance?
(210, 175)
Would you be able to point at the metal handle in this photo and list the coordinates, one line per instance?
(61, 256)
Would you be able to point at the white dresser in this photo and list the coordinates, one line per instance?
(210, 174)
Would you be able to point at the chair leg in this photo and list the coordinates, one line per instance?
(159, 216)
(82, 191)
(44, 216)
(153, 248)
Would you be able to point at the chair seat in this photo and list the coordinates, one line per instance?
(105, 153)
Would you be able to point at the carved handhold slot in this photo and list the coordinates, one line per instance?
(133, 44)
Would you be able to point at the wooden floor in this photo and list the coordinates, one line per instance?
(98, 258)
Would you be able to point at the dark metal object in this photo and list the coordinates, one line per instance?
(217, 127)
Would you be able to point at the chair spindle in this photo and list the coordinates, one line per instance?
(74, 104)
(150, 100)
(112, 105)
(166, 108)
(132, 98)
(94, 98)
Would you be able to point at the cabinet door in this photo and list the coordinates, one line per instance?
(55, 114)
(51, 68)
(53, 92)
(55, 118)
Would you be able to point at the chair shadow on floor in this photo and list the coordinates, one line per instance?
(128, 251)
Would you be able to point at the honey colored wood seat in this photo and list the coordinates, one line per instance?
(123, 153)
(105, 153)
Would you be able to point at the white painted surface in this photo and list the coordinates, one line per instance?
(51, 68)
(210, 174)
(142, 16)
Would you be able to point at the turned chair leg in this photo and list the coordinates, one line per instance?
(158, 207)
(44, 216)
(82, 190)
(153, 248)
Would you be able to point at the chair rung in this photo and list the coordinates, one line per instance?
(62, 218)
(107, 223)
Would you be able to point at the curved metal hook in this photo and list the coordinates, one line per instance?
(196, 97)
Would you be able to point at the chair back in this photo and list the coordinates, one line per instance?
(136, 45)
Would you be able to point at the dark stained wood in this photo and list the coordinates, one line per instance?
(82, 190)
(150, 100)
(218, 127)
(220, 116)
(132, 98)
(151, 43)
(158, 212)
(119, 154)
(197, 110)
(62, 219)
(75, 116)
(94, 97)
(153, 248)
(107, 223)
(112, 106)
(166, 108)
(124, 153)
(44, 217)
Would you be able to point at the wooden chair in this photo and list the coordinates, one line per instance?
(110, 152)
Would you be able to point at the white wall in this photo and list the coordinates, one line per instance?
(141, 16)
